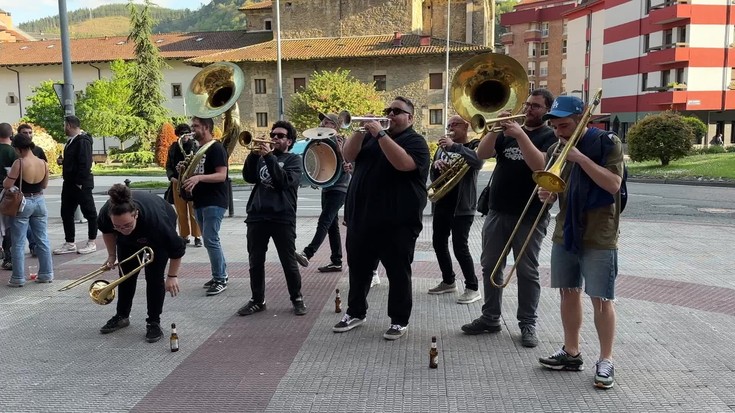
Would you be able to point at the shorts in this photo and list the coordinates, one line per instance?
(598, 269)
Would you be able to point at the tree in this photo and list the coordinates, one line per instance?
(500, 8)
(665, 136)
(104, 108)
(332, 92)
(45, 110)
(166, 137)
(146, 98)
(698, 127)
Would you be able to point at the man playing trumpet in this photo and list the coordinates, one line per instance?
(455, 211)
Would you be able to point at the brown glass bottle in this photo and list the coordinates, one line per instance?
(338, 303)
(433, 355)
(174, 338)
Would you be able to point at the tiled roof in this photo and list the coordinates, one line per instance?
(105, 49)
(257, 6)
(337, 47)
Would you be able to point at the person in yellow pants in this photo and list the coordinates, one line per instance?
(184, 210)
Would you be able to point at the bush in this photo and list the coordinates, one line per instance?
(709, 150)
(730, 149)
(664, 136)
(433, 146)
(50, 147)
(139, 158)
(699, 129)
(166, 137)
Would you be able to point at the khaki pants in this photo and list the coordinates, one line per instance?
(185, 212)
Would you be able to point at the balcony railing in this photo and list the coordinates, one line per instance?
(670, 11)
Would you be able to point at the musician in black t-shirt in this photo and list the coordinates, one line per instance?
(384, 213)
(517, 153)
(128, 222)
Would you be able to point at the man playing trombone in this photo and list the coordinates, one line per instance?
(455, 211)
(129, 221)
(517, 150)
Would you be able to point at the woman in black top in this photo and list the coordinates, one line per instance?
(34, 213)
(130, 221)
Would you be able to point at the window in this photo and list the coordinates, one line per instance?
(531, 71)
(682, 37)
(531, 50)
(435, 117)
(668, 37)
(564, 28)
(587, 47)
(268, 24)
(680, 75)
(648, 6)
(543, 85)
(644, 82)
(544, 71)
(11, 99)
(544, 49)
(435, 81)
(564, 46)
(531, 85)
(176, 90)
(299, 83)
(261, 119)
(544, 29)
(646, 43)
(564, 67)
(259, 86)
(665, 78)
(380, 82)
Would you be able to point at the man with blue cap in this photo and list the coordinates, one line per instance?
(585, 238)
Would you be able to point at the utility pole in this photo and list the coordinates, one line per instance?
(67, 94)
(279, 74)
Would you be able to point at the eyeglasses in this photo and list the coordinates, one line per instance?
(534, 106)
(451, 125)
(394, 111)
(278, 135)
(127, 226)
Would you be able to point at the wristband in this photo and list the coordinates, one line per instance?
(172, 276)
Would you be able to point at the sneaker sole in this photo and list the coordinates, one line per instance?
(113, 330)
(604, 386)
(64, 252)
(562, 368)
(153, 340)
(86, 252)
(489, 330)
(349, 327)
(392, 337)
(442, 291)
(330, 270)
(478, 298)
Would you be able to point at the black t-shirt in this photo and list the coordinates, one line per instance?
(512, 182)
(211, 193)
(155, 227)
(381, 195)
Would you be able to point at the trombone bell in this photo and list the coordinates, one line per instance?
(549, 181)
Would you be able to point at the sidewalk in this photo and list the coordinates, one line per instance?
(676, 323)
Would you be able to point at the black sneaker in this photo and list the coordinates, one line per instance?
(114, 324)
(331, 267)
(187, 241)
(604, 374)
(197, 242)
(395, 332)
(251, 308)
(216, 287)
(153, 332)
(209, 283)
(302, 259)
(299, 308)
(347, 323)
(561, 360)
(528, 336)
(7, 265)
(478, 326)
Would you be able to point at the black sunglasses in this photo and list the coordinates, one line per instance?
(278, 135)
(394, 111)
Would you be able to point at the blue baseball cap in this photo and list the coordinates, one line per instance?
(565, 106)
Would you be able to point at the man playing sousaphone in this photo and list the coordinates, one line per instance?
(455, 211)
(333, 197)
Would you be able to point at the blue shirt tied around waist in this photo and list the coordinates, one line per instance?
(583, 193)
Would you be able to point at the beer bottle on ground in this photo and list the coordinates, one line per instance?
(174, 338)
(433, 354)
(338, 303)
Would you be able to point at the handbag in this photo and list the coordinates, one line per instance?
(11, 199)
(483, 201)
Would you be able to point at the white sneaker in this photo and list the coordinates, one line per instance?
(66, 248)
(469, 296)
(88, 248)
(376, 279)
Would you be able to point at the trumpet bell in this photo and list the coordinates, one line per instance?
(215, 89)
(244, 138)
(319, 133)
(96, 291)
(488, 84)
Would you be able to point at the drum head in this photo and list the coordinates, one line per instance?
(321, 162)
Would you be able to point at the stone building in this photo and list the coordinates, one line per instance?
(400, 64)
(8, 32)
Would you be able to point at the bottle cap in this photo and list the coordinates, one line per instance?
(173, 325)
(433, 338)
(337, 290)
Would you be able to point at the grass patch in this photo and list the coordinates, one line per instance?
(125, 170)
(164, 185)
(721, 165)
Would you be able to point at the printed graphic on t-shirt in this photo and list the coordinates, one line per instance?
(449, 157)
(513, 153)
(200, 168)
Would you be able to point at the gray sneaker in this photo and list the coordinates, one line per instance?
(347, 323)
(561, 360)
(469, 296)
(88, 248)
(443, 288)
(528, 336)
(604, 374)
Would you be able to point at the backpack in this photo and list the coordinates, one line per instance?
(623, 184)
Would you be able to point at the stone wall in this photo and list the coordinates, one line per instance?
(463, 14)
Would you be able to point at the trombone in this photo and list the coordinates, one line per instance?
(549, 179)
(103, 292)
(346, 120)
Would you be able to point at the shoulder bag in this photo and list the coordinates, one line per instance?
(11, 199)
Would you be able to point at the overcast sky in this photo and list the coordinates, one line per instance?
(26, 10)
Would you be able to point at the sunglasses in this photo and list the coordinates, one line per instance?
(278, 135)
(534, 106)
(394, 111)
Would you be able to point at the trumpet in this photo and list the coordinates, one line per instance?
(480, 124)
(247, 140)
(102, 292)
(346, 120)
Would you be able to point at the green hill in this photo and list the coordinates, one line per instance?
(113, 20)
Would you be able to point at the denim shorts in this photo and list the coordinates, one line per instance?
(598, 269)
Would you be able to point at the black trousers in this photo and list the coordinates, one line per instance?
(154, 279)
(328, 224)
(284, 236)
(71, 198)
(394, 247)
(444, 224)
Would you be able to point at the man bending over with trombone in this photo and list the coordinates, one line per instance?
(518, 153)
(585, 239)
(129, 222)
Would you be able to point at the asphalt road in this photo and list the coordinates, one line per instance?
(646, 201)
